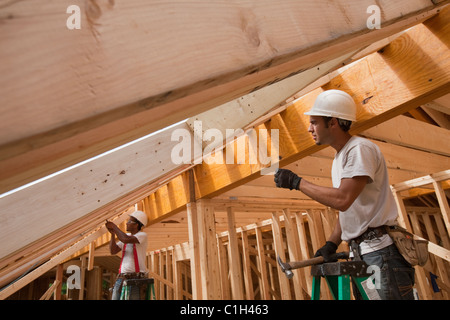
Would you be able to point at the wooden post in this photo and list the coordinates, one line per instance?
(402, 214)
(265, 293)
(169, 273)
(443, 203)
(161, 274)
(155, 268)
(178, 280)
(59, 278)
(318, 240)
(304, 251)
(294, 255)
(209, 259)
(246, 264)
(94, 284)
(90, 264)
(279, 251)
(421, 277)
(194, 246)
(82, 277)
(224, 270)
(442, 270)
(237, 289)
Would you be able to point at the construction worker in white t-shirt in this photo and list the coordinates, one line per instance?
(360, 192)
(133, 245)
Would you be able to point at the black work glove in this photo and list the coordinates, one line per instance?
(327, 252)
(286, 179)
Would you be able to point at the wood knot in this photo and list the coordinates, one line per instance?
(93, 10)
(250, 30)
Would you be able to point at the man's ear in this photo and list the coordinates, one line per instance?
(333, 122)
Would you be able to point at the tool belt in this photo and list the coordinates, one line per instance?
(371, 234)
(132, 275)
(414, 250)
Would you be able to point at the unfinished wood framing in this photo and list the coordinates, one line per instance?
(418, 220)
(156, 95)
(215, 228)
(295, 234)
(373, 81)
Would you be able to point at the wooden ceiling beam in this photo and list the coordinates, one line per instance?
(147, 162)
(420, 136)
(384, 85)
(133, 68)
(442, 119)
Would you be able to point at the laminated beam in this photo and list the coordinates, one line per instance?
(135, 67)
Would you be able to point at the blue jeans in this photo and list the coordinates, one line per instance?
(134, 291)
(397, 275)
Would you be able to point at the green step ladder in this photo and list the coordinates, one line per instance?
(339, 276)
(146, 287)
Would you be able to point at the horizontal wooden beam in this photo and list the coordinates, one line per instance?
(384, 85)
(84, 189)
(134, 165)
(136, 67)
(241, 113)
(420, 135)
(422, 181)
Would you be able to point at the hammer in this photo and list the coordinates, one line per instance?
(286, 267)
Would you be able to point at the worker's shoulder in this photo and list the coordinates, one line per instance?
(361, 141)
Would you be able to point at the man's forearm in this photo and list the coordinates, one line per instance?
(123, 237)
(113, 247)
(337, 198)
(327, 196)
(335, 236)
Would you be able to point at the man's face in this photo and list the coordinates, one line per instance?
(132, 225)
(320, 131)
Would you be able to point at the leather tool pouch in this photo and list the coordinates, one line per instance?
(414, 250)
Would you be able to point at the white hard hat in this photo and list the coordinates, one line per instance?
(140, 216)
(334, 103)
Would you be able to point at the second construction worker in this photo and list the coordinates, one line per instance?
(361, 192)
(133, 245)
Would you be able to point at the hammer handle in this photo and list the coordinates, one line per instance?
(305, 263)
(313, 261)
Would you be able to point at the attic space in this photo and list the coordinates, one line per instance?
(184, 110)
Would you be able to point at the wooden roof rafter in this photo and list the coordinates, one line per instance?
(135, 197)
(382, 84)
(109, 185)
(75, 126)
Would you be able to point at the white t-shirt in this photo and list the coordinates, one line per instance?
(141, 250)
(375, 206)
